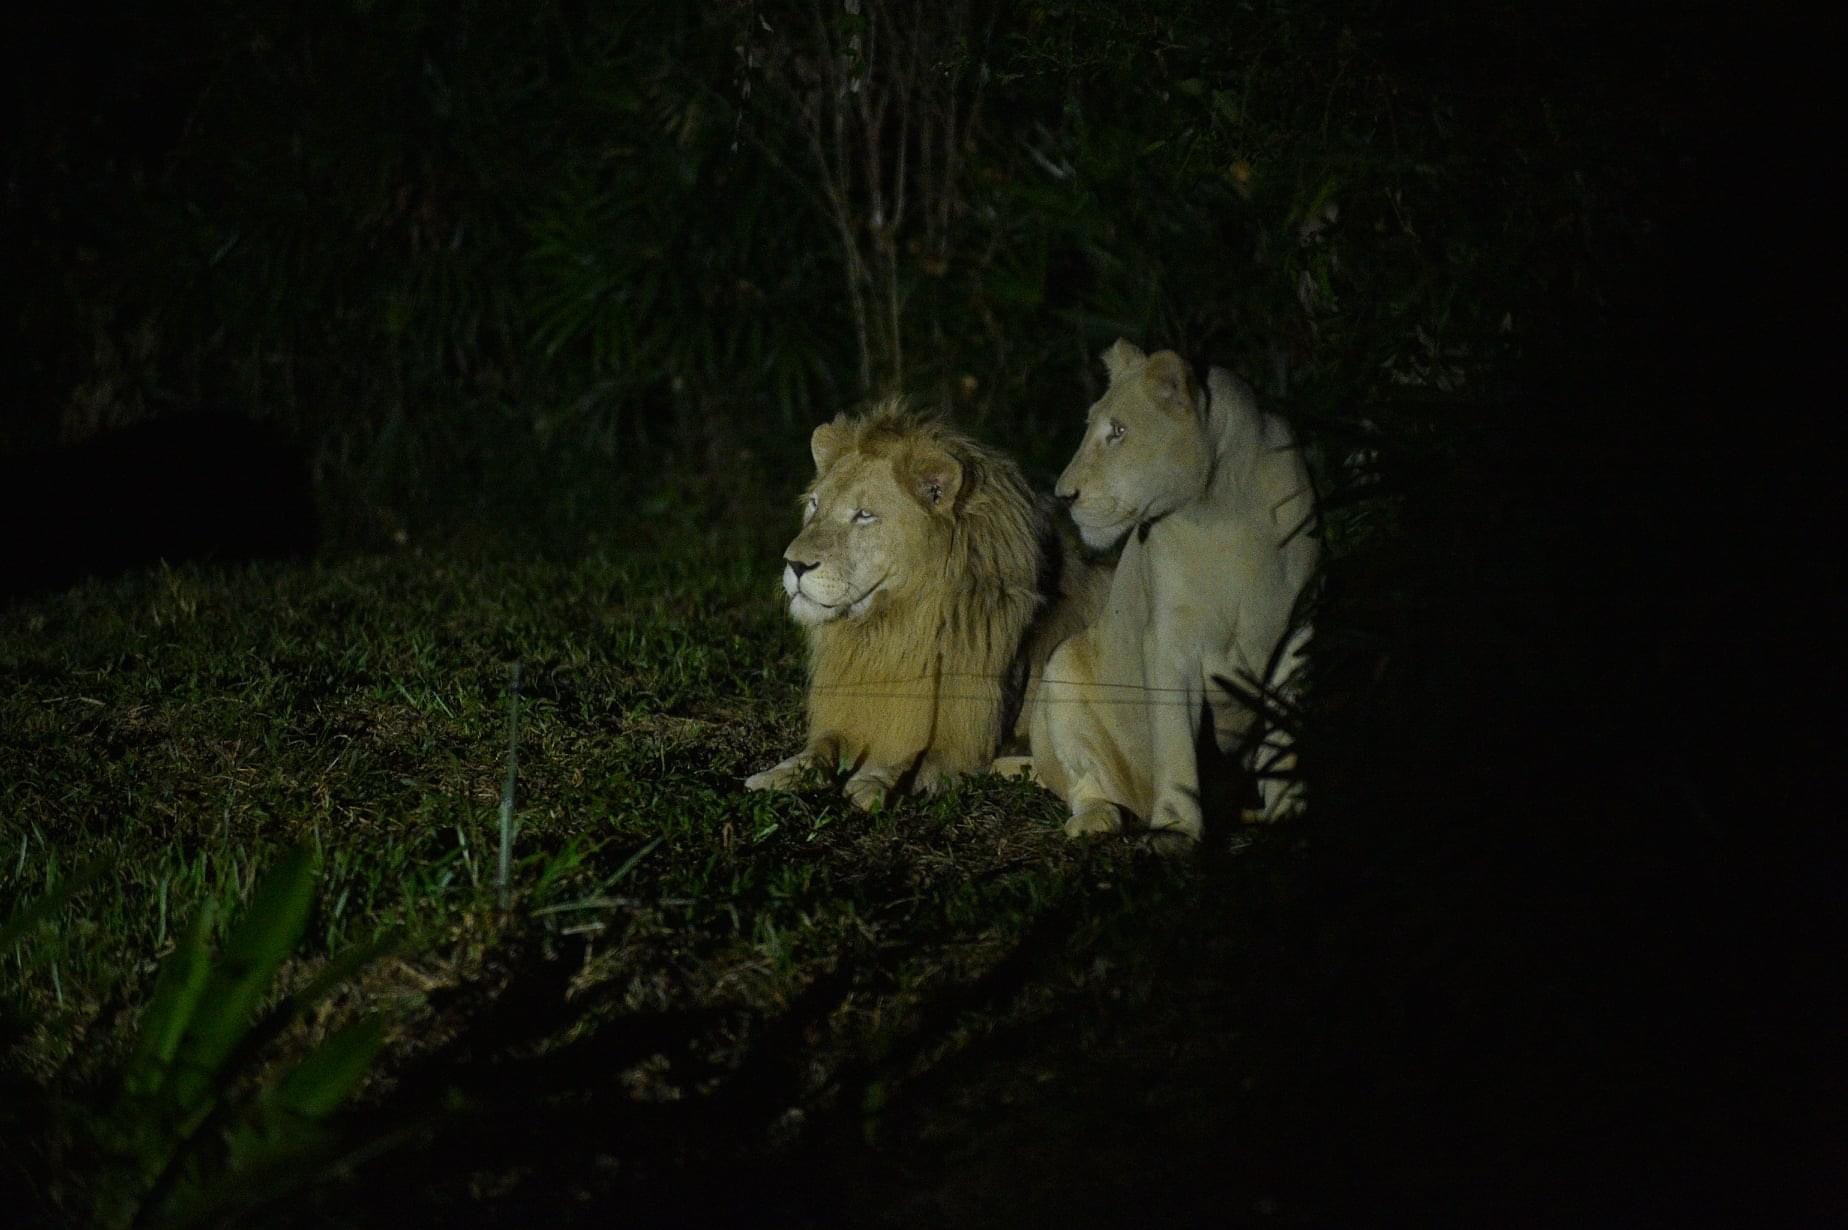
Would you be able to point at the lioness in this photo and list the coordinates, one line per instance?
(1210, 498)
(922, 574)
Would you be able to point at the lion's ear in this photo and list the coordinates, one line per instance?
(934, 477)
(1171, 381)
(828, 442)
(1120, 356)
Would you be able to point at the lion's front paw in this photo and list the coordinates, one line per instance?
(791, 774)
(1094, 818)
(867, 792)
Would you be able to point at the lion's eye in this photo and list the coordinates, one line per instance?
(862, 517)
(1115, 432)
(814, 502)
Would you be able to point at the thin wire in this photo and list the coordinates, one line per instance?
(857, 687)
(1113, 693)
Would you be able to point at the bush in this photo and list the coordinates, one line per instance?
(429, 239)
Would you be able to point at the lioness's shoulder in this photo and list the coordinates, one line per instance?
(1231, 389)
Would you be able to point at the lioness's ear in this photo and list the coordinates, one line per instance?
(1171, 380)
(1121, 354)
(828, 442)
(933, 476)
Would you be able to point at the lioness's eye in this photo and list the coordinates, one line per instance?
(1116, 431)
(813, 503)
(862, 517)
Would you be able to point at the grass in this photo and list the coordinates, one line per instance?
(185, 728)
(1480, 984)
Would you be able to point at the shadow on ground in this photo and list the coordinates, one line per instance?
(1543, 954)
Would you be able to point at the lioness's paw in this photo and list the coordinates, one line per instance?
(1170, 843)
(1016, 766)
(1283, 800)
(867, 793)
(791, 774)
(1177, 817)
(930, 779)
(1094, 818)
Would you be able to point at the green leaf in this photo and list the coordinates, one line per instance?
(177, 989)
(317, 1085)
(266, 934)
(343, 965)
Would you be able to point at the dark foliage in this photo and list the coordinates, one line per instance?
(456, 249)
(205, 487)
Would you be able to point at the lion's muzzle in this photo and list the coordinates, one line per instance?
(804, 608)
(815, 598)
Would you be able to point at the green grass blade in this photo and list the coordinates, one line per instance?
(29, 917)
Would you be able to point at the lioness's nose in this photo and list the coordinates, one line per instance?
(1067, 497)
(799, 566)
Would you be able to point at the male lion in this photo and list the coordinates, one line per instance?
(1219, 502)
(922, 574)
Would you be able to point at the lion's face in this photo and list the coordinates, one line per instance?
(1145, 451)
(872, 525)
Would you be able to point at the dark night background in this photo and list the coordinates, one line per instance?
(418, 290)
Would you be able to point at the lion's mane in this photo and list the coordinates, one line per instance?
(938, 675)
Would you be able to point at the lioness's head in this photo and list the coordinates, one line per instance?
(878, 519)
(1145, 450)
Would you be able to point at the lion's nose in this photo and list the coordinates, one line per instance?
(798, 567)
(1067, 497)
